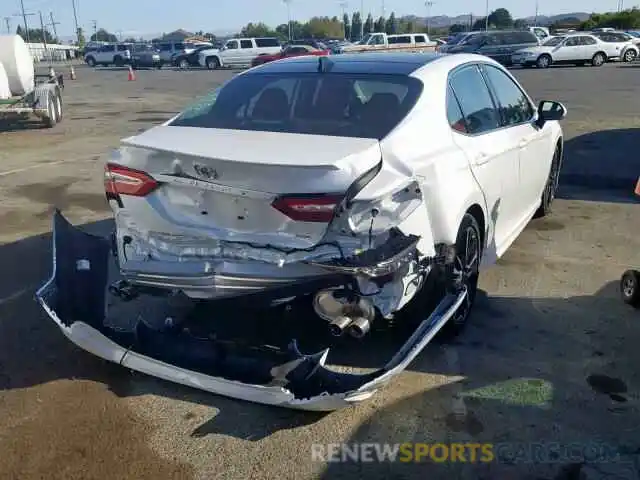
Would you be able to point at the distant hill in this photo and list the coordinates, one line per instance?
(442, 21)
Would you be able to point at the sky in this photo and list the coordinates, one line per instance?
(145, 17)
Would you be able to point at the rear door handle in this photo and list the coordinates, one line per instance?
(524, 142)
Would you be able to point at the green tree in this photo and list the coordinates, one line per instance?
(368, 24)
(501, 19)
(457, 28)
(391, 26)
(80, 36)
(379, 25)
(356, 26)
(258, 30)
(103, 36)
(36, 35)
(520, 23)
(346, 25)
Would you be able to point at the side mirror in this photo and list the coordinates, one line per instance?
(549, 110)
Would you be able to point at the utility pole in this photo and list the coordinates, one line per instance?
(383, 10)
(7, 22)
(75, 19)
(53, 25)
(95, 30)
(429, 4)
(343, 5)
(361, 19)
(24, 17)
(288, 4)
(44, 36)
(486, 18)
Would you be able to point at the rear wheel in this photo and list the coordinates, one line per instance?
(183, 64)
(51, 118)
(598, 59)
(466, 271)
(544, 61)
(91, 61)
(630, 288)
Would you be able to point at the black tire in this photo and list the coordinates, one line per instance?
(543, 61)
(51, 118)
(630, 288)
(629, 55)
(183, 64)
(213, 63)
(91, 61)
(59, 108)
(466, 272)
(599, 59)
(551, 187)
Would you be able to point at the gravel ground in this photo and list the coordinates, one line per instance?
(551, 354)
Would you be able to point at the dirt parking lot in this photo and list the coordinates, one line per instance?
(551, 355)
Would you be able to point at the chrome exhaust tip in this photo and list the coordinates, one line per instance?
(359, 327)
(338, 325)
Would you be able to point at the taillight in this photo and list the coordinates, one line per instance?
(308, 208)
(119, 180)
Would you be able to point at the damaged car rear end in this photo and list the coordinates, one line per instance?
(283, 185)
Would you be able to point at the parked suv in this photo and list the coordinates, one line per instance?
(238, 52)
(112, 54)
(499, 45)
(169, 50)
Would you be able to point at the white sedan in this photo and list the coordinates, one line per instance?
(370, 189)
(575, 49)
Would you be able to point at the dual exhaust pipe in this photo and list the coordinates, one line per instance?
(357, 327)
(345, 312)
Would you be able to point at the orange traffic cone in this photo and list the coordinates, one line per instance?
(132, 76)
(72, 73)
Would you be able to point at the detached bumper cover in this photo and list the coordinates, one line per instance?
(75, 299)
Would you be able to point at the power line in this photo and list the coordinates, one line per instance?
(24, 16)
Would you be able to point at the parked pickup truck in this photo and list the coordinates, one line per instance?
(382, 41)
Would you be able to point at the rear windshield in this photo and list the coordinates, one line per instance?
(344, 105)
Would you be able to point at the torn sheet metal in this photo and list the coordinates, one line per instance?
(75, 299)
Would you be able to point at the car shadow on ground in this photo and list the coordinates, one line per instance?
(565, 349)
(592, 170)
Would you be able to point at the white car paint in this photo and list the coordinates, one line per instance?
(430, 175)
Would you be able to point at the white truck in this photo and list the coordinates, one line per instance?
(238, 52)
(382, 42)
(23, 94)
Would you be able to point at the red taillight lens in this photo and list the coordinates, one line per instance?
(308, 208)
(119, 180)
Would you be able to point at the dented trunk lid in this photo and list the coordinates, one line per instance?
(221, 184)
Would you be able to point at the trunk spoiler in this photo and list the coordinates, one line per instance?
(75, 299)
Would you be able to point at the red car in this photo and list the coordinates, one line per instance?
(290, 51)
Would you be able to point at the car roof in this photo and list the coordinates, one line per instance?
(397, 63)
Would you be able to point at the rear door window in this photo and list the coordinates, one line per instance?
(420, 39)
(267, 42)
(480, 113)
(246, 44)
(454, 113)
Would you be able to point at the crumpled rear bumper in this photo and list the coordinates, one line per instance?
(75, 299)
